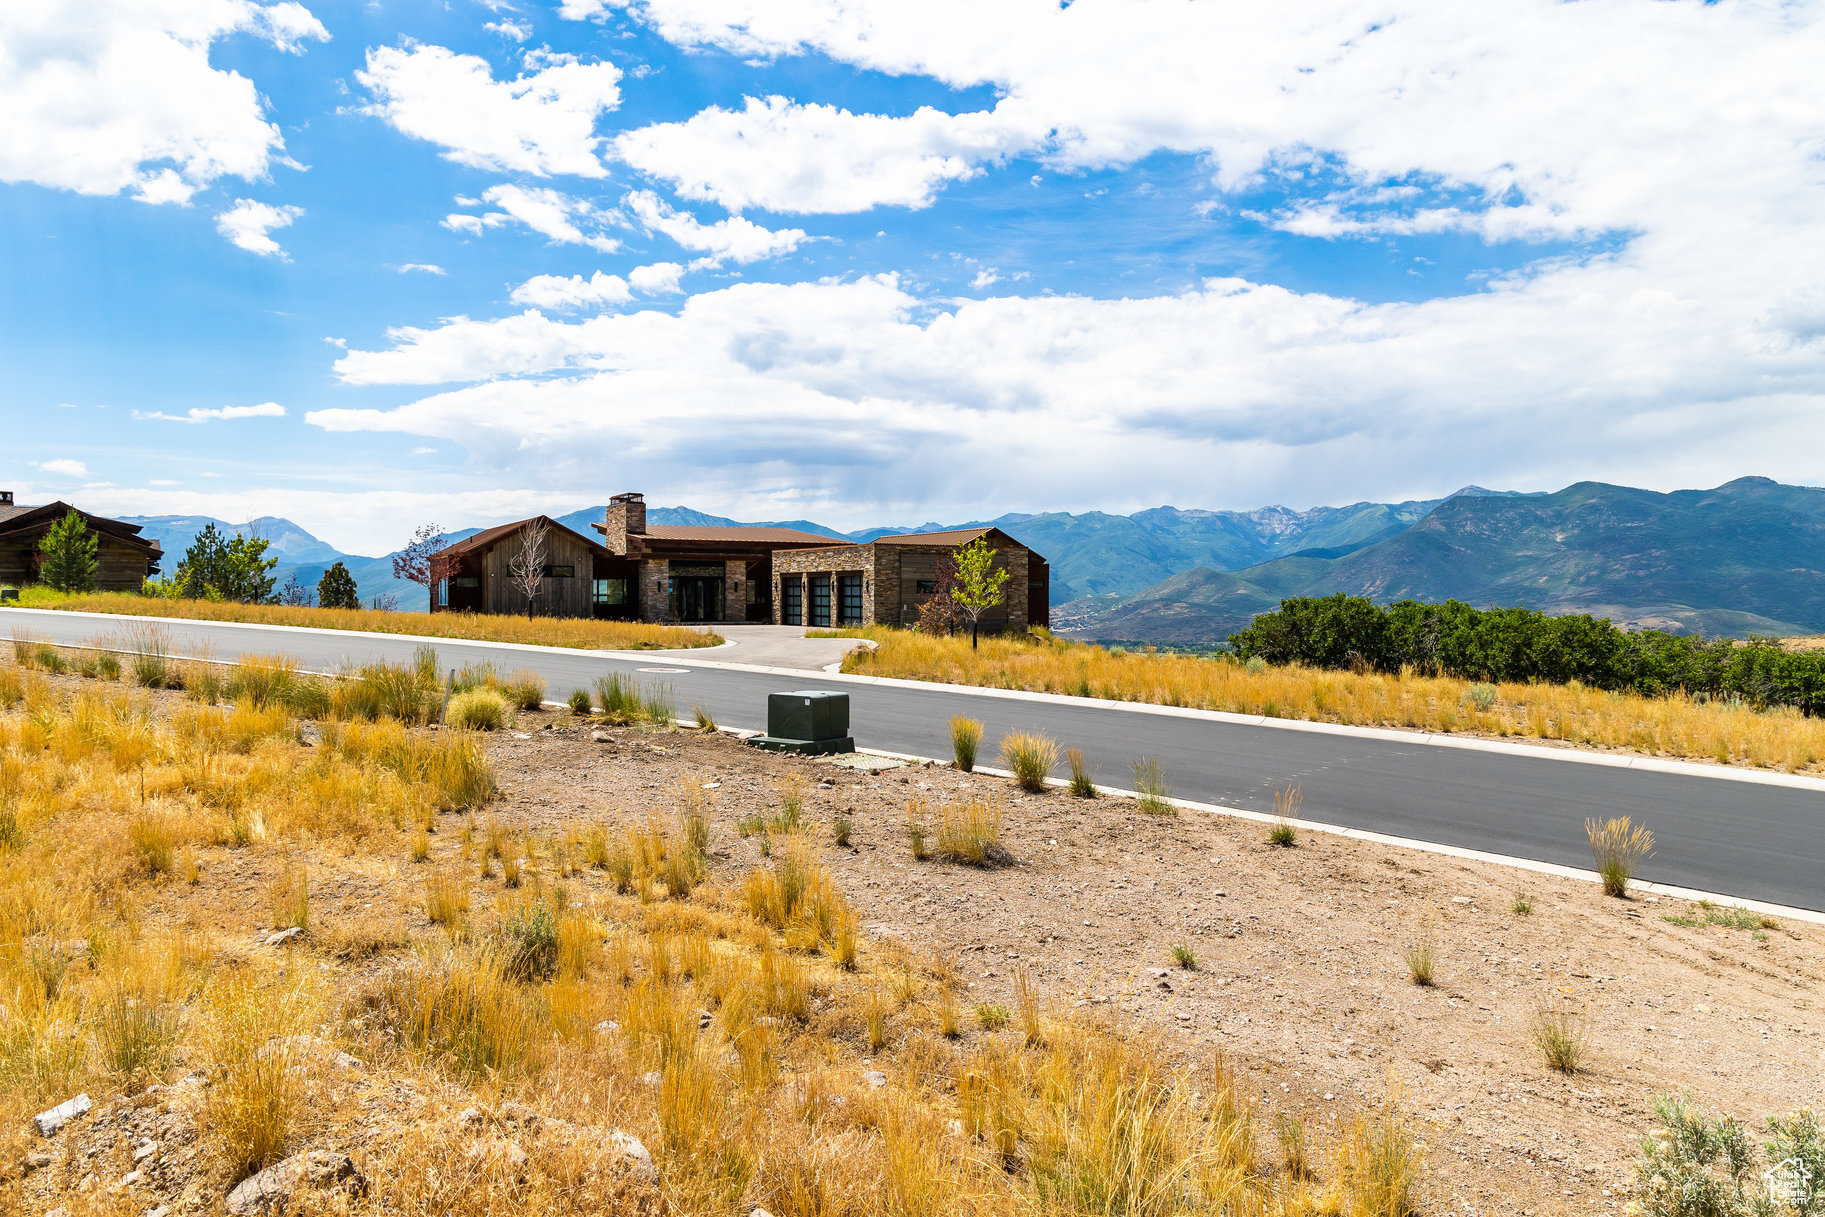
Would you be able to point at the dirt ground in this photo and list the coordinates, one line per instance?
(1301, 975)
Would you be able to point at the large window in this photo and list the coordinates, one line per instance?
(849, 599)
(552, 571)
(792, 599)
(609, 592)
(926, 587)
(820, 601)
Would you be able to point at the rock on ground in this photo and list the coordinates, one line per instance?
(274, 1187)
(50, 1122)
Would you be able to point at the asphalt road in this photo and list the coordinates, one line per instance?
(1740, 838)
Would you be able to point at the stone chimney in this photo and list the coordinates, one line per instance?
(6, 500)
(626, 517)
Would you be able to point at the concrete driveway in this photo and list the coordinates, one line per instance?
(774, 646)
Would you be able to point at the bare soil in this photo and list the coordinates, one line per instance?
(1302, 978)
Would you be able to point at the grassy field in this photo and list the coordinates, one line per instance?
(1674, 726)
(517, 1004)
(542, 631)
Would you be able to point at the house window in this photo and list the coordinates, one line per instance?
(610, 591)
(792, 600)
(558, 572)
(849, 599)
(927, 587)
(820, 601)
(466, 582)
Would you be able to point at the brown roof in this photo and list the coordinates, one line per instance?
(950, 536)
(19, 518)
(489, 536)
(717, 532)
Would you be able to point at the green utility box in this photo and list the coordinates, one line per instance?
(807, 721)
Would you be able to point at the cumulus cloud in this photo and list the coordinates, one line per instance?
(519, 31)
(656, 279)
(541, 122)
(268, 409)
(248, 222)
(551, 213)
(781, 156)
(65, 468)
(105, 96)
(574, 291)
(732, 239)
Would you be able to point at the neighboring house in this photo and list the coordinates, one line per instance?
(888, 580)
(580, 578)
(727, 576)
(125, 559)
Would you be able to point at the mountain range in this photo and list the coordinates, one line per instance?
(1747, 557)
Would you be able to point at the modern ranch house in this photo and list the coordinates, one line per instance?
(728, 576)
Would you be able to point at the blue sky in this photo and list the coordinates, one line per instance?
(877, 262)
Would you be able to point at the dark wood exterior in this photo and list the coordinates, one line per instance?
(580, 575)
(125, 560)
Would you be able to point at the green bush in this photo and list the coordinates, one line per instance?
(477, 710)
(579, 702)
(1522, 645)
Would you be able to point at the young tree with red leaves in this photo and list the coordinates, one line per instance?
(421, 561)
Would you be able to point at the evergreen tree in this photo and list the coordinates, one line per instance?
(67, 555)
(223, 568)
(337, 589)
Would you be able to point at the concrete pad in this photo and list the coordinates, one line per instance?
(773, 646)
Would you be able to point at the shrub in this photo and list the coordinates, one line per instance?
(966, 737)
(1029, 757)
(1150, 785)
(993, 1016)
(1619, 849)
(1481, 696)
(703, 719)
(579, 702)
(1185, 958)
(1561, 1037)
(842, 829)
(1421, 955)
(1082, 786)
(529, 942)
(477, 710)
(1693, 1167)
(524, 690)
(970, 833)
(1522, 906)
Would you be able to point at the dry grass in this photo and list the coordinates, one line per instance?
(1670, 726)
(1562, 1038)
(1421, 955)
(966, 737)
(1618, 849)
(477, 710)
(749, 1000)
(1030, 757)
(1151, 787)
(542, 631)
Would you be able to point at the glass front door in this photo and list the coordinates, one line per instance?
(792, 599)
(849, 599)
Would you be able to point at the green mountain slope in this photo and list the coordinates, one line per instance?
(1747, 557)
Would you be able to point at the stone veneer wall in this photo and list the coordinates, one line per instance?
(837, 560)
(735, 590)
(655, 591)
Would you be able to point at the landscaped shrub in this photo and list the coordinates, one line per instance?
(1619, 849)
(477, 710)
(966, 737)
(525, 690)
(1029, 756)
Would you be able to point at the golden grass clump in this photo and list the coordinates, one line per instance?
(1675, 725)
(1618, 848)
(966, 737)
(1561, 1036)
(1030, 757)
(480, 709)
(969, 832)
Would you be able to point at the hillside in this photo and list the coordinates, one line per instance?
(1747, 557)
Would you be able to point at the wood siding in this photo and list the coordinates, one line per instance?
(120, 567)
(572, 597)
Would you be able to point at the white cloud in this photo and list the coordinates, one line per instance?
(65, 468)
(551, 213)
(1234, 390)
(656, 279)
(986, 277)
(733, 238)
(542, 122)
(560, 292)
(269, 409)
(428, 268)
(519, 31)
(247, 224)
(104, 96)
(781, 156)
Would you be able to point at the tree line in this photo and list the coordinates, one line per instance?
(1517, 644)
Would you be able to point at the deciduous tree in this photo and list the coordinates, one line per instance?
(980, 583)
(526, 568)
(423, 562)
